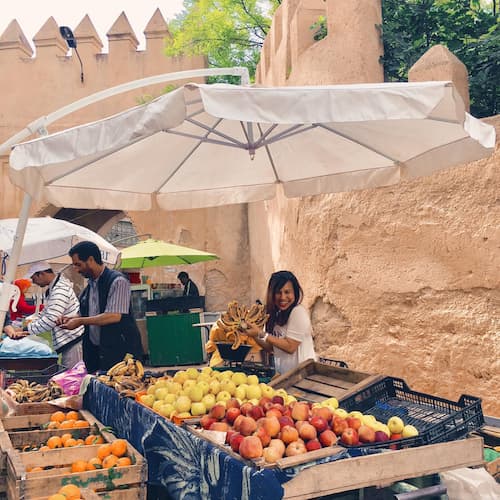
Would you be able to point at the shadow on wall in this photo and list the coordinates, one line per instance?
(329, 325)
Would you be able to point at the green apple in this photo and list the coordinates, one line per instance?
(240, 392)
(228, 385)
(253, 391)
(340, 412)
(157, 404)
(182, 404)
(214, 387)
(192, 373)
(170, 398)
(223, 396)
(239, 378)
(281, 392)
(198, 408)
(204, 386)
(356, 414)
(151, 389)
(161, 393)
(205, 377)
(161, 382)
(252, 380)
(255, 402)
(409, 431)
(289, 399)
(174, 387)
(188, 384)
(385, 429)
(368, 420)
(267, 390)
(206, 370)
(195, 393)
(396, 425)
(226, 375)
(166, 409)
(183, 414)
(147, 399)
(216, 375)
(331, 402)
(180, 376)
(208, 400)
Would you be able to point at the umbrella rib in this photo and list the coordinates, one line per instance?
(296, 129)
(211, 130)
(268, 151)
(263, 136)
(204, 139)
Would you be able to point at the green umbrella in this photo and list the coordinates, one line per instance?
(152, 253)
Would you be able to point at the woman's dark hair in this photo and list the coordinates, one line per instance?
(86, 249)
(276, 282)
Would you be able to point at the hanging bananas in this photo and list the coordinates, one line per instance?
(237, 319)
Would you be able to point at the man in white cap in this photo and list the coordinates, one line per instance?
(61, 300)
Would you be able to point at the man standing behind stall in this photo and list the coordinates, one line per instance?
(60, 301)
(190, 289)
(110, 329)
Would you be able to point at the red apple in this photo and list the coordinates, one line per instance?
(274, 412)
(278, 399)
(289, 434)
(313, 444)
(237, 422)
(251, 447)
(219, 426)
(218, 412)
(232, 403)
(319, 423)
(245, 407)
(206, 421)
(328, 438)
(350, 437)
(278, 443)
(307, 431)
(354, 423)
(381, 436)
(263, 401)
(295, 448)
(229, 434)
(322, 411)
(235, 441)
(271, 424)
(262, 434)
(247, 426)
(285, 420)
(272, 454)
(339, 425)
(366, 434)
(256, 412)
(300, 411)
(393, 438)
(232, 413)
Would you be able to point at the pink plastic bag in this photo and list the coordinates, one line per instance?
(70, 380)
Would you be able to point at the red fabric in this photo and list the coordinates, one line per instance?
(23, 309)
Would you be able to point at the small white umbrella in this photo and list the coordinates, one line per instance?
(50, 239)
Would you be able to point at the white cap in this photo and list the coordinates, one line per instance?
(37, 267)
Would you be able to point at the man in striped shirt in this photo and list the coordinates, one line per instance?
(61, 300)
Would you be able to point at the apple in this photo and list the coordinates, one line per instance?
(267, 390)
(195, 393)
(339, 425)
(278, 443)
(226, 375)
(272, 454)
(278, 399)
(207, 370)
(331, 402)
(147, 399)
(229, 434)
(218, 412)
(251, 447)
(240, 392)
(289, 434)
(381, 436)
(256, 412)
(328, 438)
(253, 391)
(323, 412)
(245, 407)
(300, 411)
(160, 393)
(366, 434)
(340, 412)
(166, 410)
(206, 421)
(353, 422)
(396, 425)
(237, 422)
(274, 412)
(239, 378)
(307, 431)
(209, 401)
(182, 404)
(409, 431)
(228, 386)
(271, 424)
(198, 408)
(214, 387)
(313, 444)
(170, 398)
(232, 403)
(295, 448)
(219, 426)
(355, 414)
(350, 437)
(180, 377)
(247, 426)
(319, 423)
(235, 441)
(203, 385)
(265, 402)
(232, 413)
(157, 404)
(263, 435)
(253, 380)
(223, 396)
(192, 373)
(188, 384)
(285, 420)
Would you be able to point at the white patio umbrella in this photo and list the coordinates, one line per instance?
(50, 239)
(209, 145)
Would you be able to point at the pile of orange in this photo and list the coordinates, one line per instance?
(108, 455)
(68, 492)
(70, 420)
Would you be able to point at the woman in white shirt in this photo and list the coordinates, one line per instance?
(288, 333)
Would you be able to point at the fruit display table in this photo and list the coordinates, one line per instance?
(189, 466)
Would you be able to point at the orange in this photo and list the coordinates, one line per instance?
(53, 425)
(35, 469)
(70, 442)
(57, 416)
(79, 466)
(67, 424)
(71, 492)
(57, 496)
(93, 439)
(80, 442)
(54, 442)
(44, 448)
(72, 415)
(94, 463)
(110, 461)
(104, 450)
(119, 447)
(123, 461)
(80, 423)
(65, 437)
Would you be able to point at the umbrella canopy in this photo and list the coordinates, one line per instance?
(209, 145)
(50, 239)
(152, 253)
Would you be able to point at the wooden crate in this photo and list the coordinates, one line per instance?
(313, 381)
(28, 408)
(22, 484)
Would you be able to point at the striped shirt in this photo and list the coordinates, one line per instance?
(61, 301)
(118, 302)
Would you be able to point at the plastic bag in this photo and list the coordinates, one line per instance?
(465, 484)
(24, 348)
(70, 380)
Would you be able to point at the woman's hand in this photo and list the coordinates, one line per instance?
(14, 333)
(253, 330)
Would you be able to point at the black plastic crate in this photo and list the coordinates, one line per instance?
(264, 372)
(7, 377)
(436, 419)
(227, 352)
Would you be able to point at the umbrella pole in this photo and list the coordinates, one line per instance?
(5, 292)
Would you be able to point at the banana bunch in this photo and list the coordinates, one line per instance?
(237, 319)
(129, 366)
(31, 392)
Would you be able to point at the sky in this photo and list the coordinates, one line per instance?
(32, 14)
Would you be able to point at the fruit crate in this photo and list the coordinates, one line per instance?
(264, 372)
(436, 419)
(7, 377)
(333, 362)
